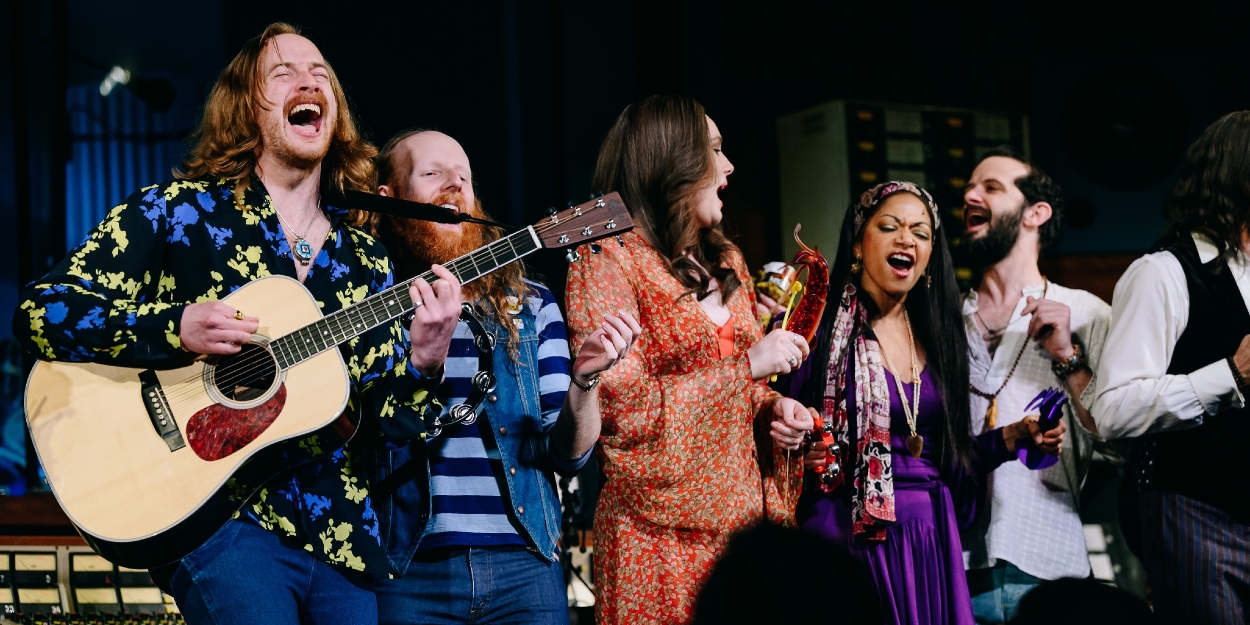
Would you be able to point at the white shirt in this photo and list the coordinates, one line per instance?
(1034, 522)
(1136, 395)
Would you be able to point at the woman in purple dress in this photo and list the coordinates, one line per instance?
(896, 474)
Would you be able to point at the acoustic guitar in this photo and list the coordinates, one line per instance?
(140, 459)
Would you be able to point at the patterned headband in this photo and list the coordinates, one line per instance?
(874, 196)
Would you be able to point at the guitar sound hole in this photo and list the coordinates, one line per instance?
(247, 375)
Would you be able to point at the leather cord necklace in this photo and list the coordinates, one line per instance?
(991, 413)
(992, 331)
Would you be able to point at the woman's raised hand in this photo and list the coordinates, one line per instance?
(606, 346)
(778, 353)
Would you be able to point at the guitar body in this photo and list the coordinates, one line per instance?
(139, 459)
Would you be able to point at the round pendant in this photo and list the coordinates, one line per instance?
(303, 251)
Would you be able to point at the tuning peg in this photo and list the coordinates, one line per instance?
(572, 203)
(551, 210)
(571, 255)
(595, 249)
(598, 193)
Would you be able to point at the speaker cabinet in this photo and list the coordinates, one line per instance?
(831, 153)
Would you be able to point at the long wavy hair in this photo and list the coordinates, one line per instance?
(937, 323)
(1212, 197)
(225, 143)
(658, 155)
(492, 289)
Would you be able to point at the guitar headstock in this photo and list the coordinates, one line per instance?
(599, 218)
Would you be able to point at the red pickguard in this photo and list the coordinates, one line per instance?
(218, 431)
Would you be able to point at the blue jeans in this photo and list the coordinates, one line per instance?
(996, 591)
(480, 585)
(245, 575)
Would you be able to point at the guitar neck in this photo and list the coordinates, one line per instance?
(343, 325)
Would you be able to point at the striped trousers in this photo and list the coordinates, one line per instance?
(1197, 559)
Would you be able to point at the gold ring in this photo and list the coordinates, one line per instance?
(238, 314)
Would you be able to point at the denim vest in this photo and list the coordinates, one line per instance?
(518, 439)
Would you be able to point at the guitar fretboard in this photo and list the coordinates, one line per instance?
(343, 325)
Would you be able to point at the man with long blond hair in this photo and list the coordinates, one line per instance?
(474, 519)
(252, 200)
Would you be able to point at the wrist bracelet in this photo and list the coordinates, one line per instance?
(587, 387)
(1238, 378)
(1074, 363)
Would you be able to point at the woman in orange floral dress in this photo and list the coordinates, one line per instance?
(694, 444)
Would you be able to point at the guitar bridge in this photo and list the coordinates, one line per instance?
(158, 411)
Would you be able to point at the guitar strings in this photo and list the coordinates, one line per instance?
(262, 362)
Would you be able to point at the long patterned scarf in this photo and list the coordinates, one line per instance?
(854, 350)
(872, 476)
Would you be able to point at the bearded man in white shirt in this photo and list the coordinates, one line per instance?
(1025, 335)
(1174, 376)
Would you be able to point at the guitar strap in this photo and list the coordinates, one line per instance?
(396, 207)
(483, 380)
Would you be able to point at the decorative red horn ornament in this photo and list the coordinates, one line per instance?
(805, 317)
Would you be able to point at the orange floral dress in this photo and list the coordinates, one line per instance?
(679, 438)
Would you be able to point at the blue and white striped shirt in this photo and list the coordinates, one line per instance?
(465, 485)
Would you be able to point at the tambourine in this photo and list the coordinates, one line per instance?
(483, 382)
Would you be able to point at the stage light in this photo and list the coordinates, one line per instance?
(116, 76)
(157, 93)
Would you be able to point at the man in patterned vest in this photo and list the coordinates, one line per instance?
(252, 200)
(471, 515)
(1173, 375)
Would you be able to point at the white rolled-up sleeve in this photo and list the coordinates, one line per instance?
(1136, 395)
(1216, 388)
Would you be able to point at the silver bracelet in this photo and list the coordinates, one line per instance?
(587, 387)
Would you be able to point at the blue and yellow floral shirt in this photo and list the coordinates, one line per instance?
(118, 299)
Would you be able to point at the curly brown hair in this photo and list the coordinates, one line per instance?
(657, 156)
(1212, 197)
(225, 143)
(1036, 186)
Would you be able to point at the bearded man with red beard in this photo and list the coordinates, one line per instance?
(252, 199)
(472, 515)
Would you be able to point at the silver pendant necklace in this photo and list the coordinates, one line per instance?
(302, 250)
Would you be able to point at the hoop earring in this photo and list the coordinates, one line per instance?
(856, 267)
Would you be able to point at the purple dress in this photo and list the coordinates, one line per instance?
(919, 569)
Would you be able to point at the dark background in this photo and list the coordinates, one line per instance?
(531, 88)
